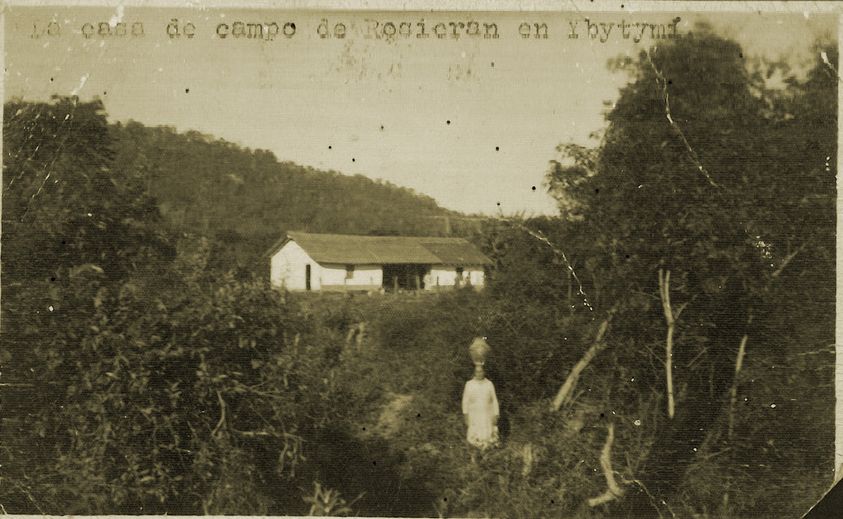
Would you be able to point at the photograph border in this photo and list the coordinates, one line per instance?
(549, 8)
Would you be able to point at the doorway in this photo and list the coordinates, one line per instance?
(307, 277)
(404, 277)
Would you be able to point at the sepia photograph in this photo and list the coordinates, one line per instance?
(450, 260)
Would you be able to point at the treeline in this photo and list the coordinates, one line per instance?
(244, 200)
(663, 347)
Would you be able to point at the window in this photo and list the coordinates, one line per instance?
(349, 271)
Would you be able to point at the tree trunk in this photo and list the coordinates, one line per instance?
(733, 401)
(733, 397)
(613, 491)
(567, 389)
(706, 400)
(668, 371)
(670, 319)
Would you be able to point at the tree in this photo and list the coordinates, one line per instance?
(66, 202)
(693, 180)
(142, 383)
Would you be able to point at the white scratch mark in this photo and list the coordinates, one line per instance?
(662, 82)
(824, 56)
(556, 251)
(117, 18)
(82, 81)
(828, 64)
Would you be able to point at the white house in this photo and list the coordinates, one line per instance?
(339, 262)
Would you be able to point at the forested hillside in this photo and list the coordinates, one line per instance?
(243, 200)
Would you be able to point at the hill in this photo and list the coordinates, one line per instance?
(244, 199)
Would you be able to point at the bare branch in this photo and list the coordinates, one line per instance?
(613, 490)
(664, 295)
(664, 291)
(653, 500)
(222, 414)
(679, 310)
(733, 396)
(563, 396)
(787, 259)
(257, 434)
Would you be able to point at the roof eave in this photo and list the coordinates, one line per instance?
(278, 245)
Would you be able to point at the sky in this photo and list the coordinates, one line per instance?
(471, 122)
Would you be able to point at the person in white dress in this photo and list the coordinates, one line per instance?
(481, 410)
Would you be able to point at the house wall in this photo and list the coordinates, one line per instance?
(288, 266)
(445, 276)
(364, 277)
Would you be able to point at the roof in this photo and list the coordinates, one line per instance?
(384, 250)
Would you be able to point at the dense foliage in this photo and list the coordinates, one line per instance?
(734, 198)
(147, 373)
(139, 380)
